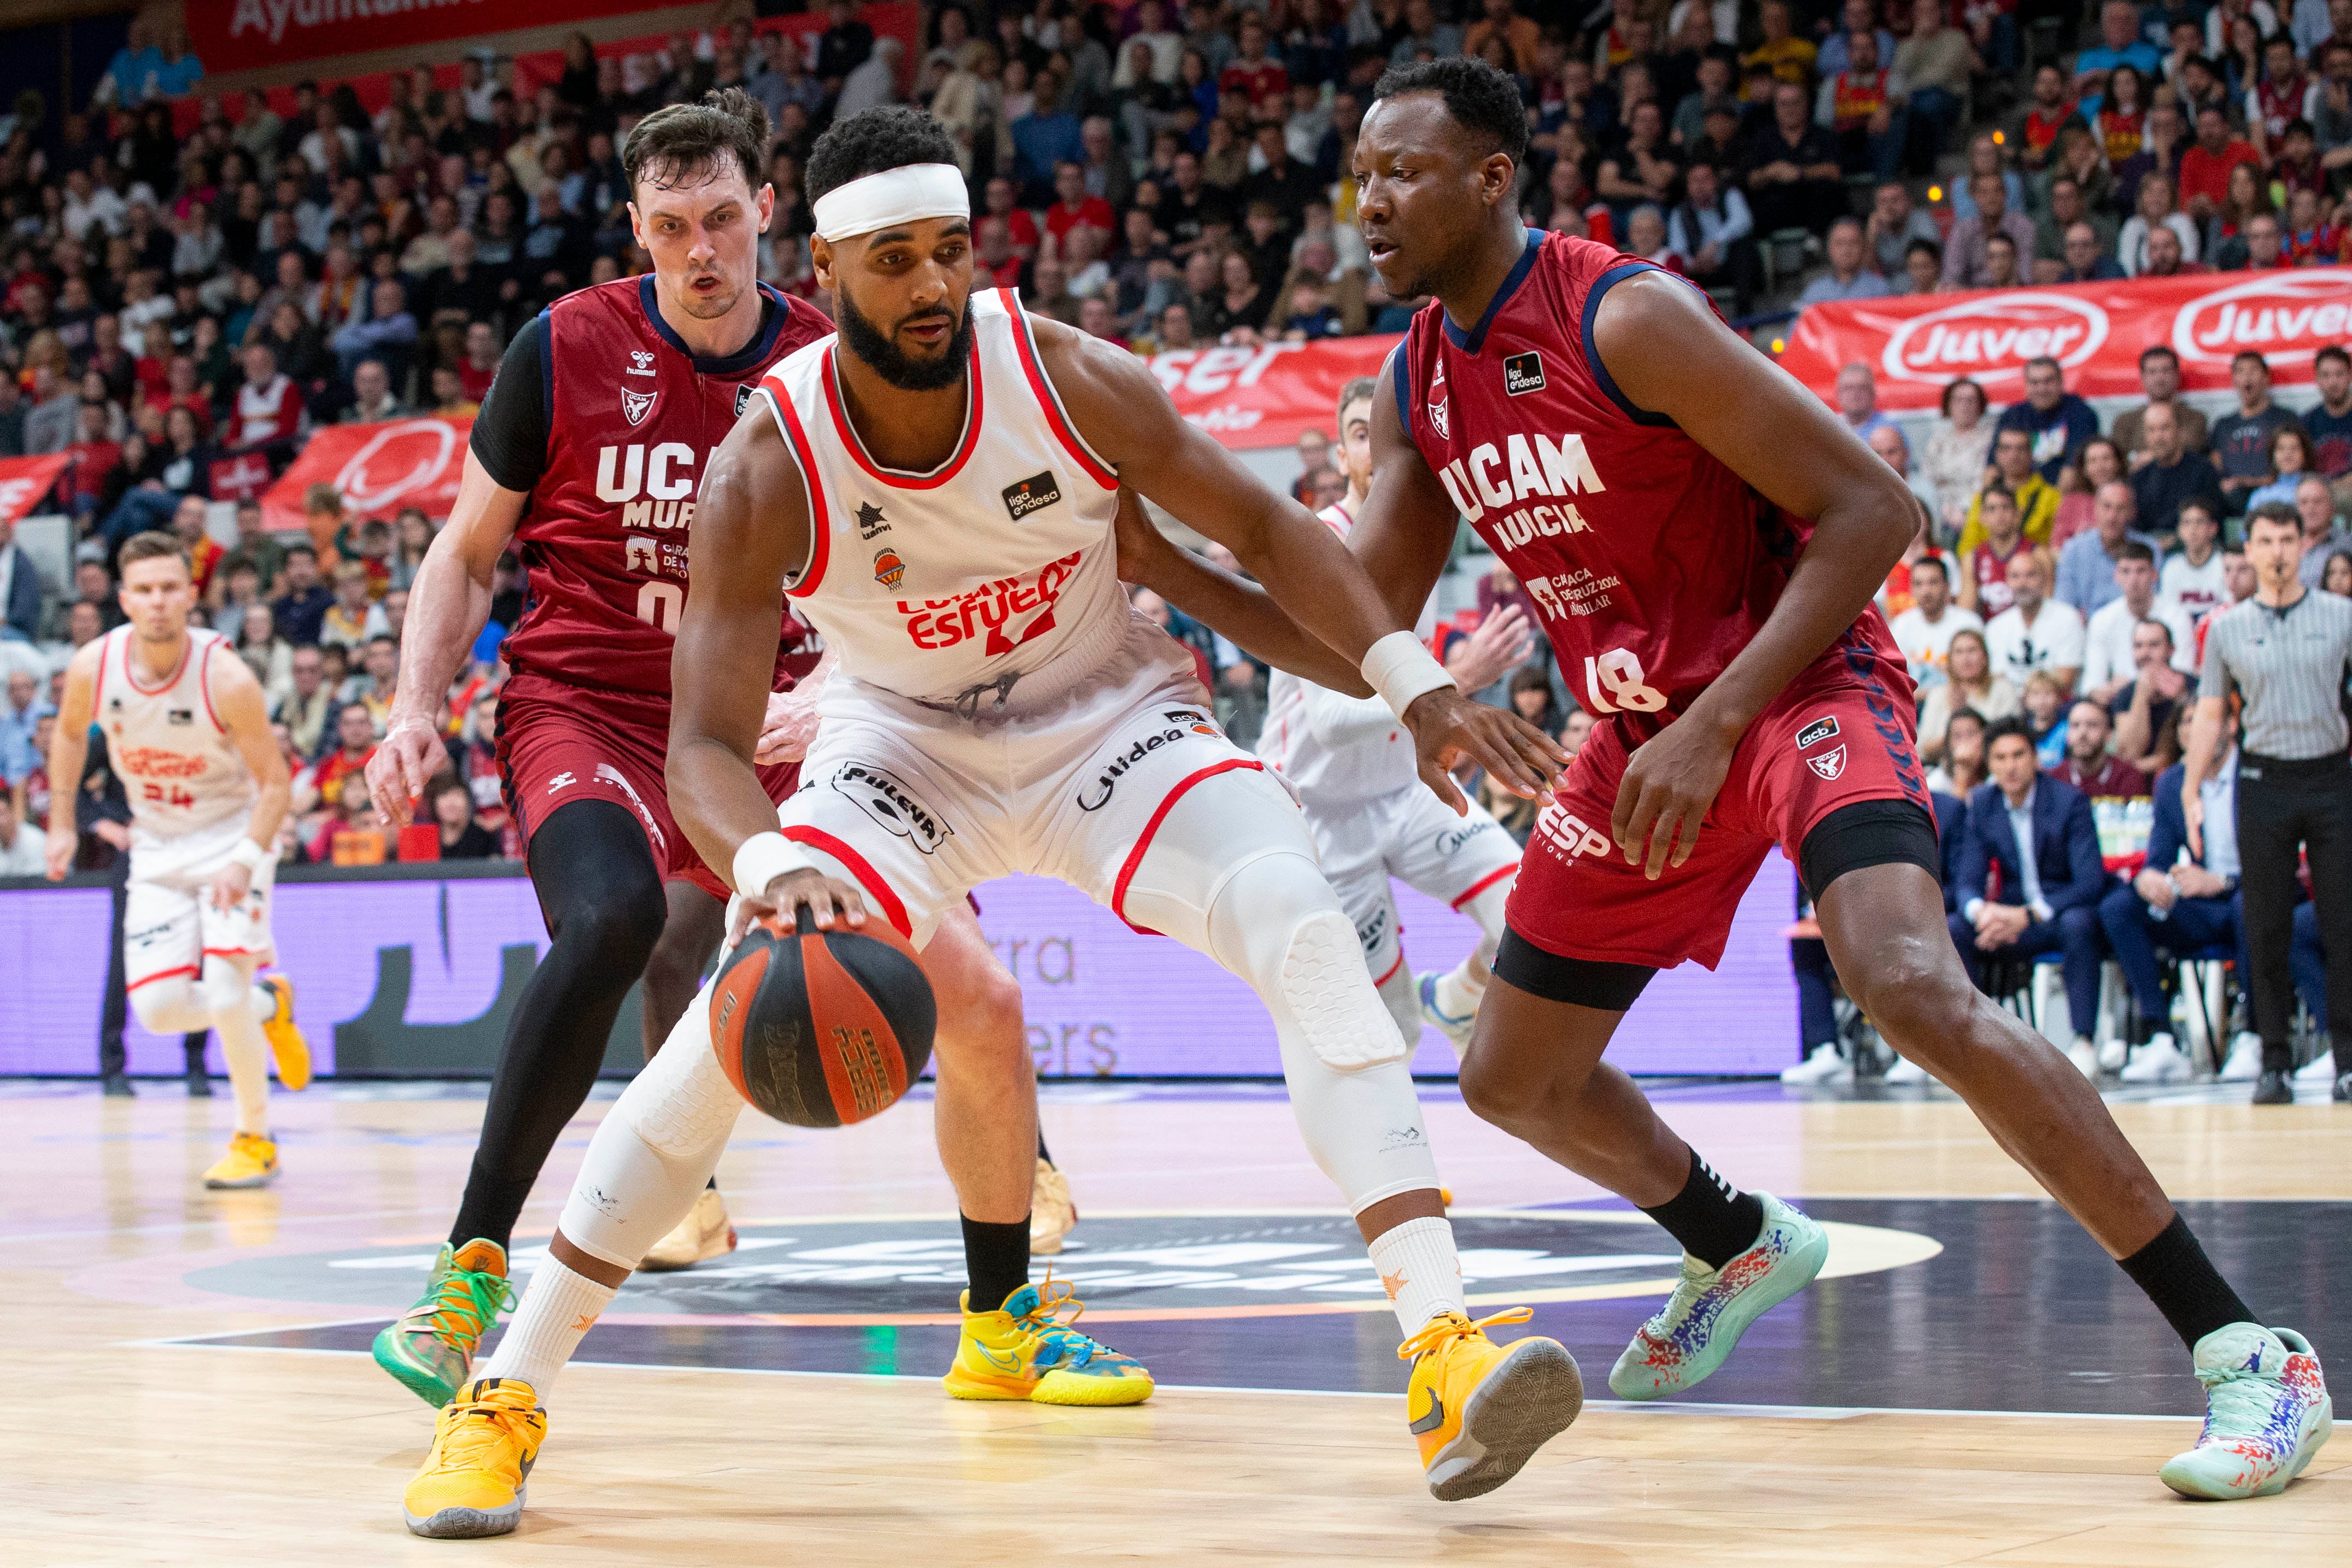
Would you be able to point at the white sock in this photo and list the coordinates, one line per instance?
(559, 1305)
(1459, 990)
(247, 1051)
(1419, 1270)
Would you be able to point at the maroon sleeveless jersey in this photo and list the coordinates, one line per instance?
(1651, 562)
(631, 419)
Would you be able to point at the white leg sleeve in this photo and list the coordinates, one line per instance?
(1231, 873)
(229, 998)
(171, 1005)
(658, 1149)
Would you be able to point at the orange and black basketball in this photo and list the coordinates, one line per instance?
(822, 1028)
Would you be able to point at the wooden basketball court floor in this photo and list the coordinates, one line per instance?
(1979, 1386)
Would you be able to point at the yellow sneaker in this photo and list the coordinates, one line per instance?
(285, 1041)
(705, 1232)
(251, 1161)
(485, 1442)
(1027, 1351)
(1052, 1214)
(1481, 1410)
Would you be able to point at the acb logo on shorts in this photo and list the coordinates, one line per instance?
(1568, 835)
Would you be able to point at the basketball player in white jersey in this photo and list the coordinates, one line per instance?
(1353, 768)
(936, 490)
(187, 730)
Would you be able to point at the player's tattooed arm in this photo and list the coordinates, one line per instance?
(1669, 354)
(751, 531)
(447, 605)
(68, 752)
(1227, 604)
(1125, 416)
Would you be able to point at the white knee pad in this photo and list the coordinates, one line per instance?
(171, 1006)
(657, 1148)
(1402, 992)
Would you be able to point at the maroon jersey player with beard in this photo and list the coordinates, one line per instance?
(586, 458)
(1702, 539)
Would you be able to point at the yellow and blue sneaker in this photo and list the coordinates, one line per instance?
(2267, 1413)
(286, 1042)
(251, 1161)
(1480, 1410)
(484, 1444)
(1025, 1351)
(430, 1347)
(1695, 1331)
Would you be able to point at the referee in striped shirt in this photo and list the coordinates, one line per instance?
(2285, 653)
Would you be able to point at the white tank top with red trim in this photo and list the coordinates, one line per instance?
(1379, 759)
(181, 772)
(995, 570)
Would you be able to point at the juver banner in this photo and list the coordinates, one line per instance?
(377, 469)
(2096, 332)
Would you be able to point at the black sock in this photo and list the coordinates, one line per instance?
(996, 1256)
(1042, 1152)
(1714, 1221)
(2185, 1286)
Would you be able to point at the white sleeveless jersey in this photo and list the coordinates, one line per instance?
(181, 772)
(1379, 757)
(996, 569)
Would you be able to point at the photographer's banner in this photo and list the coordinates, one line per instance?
(1917, 345)
(377, 469)
(1267, 395)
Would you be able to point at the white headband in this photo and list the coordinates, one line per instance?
(894, 197)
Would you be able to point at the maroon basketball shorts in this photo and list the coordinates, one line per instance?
(559, 743)
(1840, 738)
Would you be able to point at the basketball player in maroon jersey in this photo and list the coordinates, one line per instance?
(587, 455)
(1702, 539)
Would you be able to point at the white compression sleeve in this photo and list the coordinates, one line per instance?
(229, 997)
(656, 1148)
(1402, 994)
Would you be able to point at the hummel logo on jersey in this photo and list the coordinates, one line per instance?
(1523, 372)
(1438, 420)
(1034, 493)
(870, 521)
(636, 405)
(743, 398)
(1829, 764)
(1820, 730)
(641, 362)
(560, 782)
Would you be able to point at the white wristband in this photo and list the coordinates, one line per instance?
(250, 856)
(1399, 669)
(763, 858)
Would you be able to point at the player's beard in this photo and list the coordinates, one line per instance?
(902, 370)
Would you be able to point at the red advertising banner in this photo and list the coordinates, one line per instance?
(24, 480)
(376, 469)
(1917, 343)
(1265, 396)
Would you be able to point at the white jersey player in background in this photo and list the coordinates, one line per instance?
(936, 488)
(1352, 763)
(188, 733)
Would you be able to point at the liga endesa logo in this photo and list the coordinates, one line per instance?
(2285, 317)
(1992, 337)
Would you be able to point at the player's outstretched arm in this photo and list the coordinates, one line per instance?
(244, 713)
(1669, 354)
(447, 605)
(68, 752)
(751, 531)
(1228, 605)
(1125, 416)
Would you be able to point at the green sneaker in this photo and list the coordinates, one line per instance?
(430, 1347)
(1694, 1331)
(2266, 1415)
